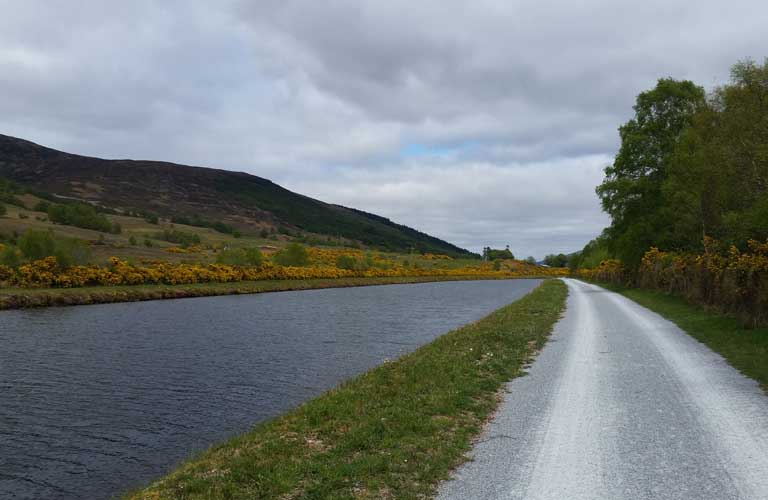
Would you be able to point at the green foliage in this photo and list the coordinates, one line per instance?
(132, 240)
(183, 238)
(10, 256)
(294, 255)
(3, 210)
(718, 178)
(497, 265)
(42, 206)
(81, 215)
(493, 254)
(36, 245)
(8, 192)
(689, 167)
(530, 259)
(196, 220)
(71, 252)
(346, 262)
(559, 260)
(594, 252)
(151, 218)
(632, 190)
(251, 256)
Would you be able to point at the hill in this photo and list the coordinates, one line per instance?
(243, 201)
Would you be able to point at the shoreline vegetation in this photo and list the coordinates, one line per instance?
(25, 298)
(395, 431)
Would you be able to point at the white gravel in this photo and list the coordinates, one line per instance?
(621, 404)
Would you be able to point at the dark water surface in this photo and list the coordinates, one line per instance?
(95, 400)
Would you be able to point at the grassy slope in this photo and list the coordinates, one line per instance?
(746, 349)
(118, 244)
(393, 432)
(233, 197)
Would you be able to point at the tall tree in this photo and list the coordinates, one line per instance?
(632, 190)
(718, 175)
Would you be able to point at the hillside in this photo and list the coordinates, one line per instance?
(246, 202)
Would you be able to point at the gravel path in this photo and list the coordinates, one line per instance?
(622, 404)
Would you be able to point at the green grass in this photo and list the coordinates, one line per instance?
(745, 348)
(393, 432)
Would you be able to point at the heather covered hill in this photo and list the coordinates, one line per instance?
(243, 201)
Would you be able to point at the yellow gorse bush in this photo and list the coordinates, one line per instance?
(47, 272)
(734, 282)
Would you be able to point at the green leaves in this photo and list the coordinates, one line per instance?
(632, 190)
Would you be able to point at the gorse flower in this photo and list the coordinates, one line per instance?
(47, 272)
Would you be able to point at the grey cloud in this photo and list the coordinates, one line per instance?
(322, 96)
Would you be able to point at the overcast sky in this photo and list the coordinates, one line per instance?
(481, 122)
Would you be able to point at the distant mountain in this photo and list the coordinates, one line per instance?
(244, 201)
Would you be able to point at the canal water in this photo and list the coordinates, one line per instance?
(96, 400)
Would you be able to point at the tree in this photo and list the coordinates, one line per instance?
(559, 260)
(294, 255)
(493, 254)
(632, 190)
(718, 176)
(593, 253)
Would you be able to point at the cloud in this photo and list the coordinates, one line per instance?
(483, 122)
(534, 207)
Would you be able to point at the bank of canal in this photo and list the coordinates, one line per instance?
(101, 399)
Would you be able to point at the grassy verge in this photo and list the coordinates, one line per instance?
(20, 298)
(746, 349)
(393, 432)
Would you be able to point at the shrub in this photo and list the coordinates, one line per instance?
(36, 245)
(71, 252)
(10, 256)
(42, 206)
(81, 215)
(294, 255)
(182, 238)
(240, 257)
(346, 262)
